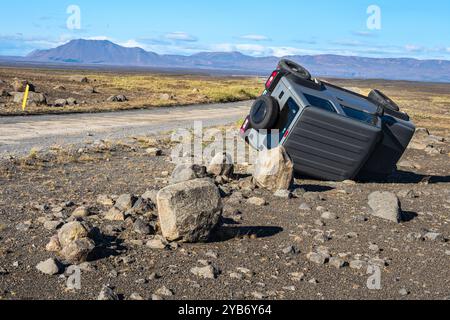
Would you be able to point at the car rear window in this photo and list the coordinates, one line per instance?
(320, 103)
(358, 114)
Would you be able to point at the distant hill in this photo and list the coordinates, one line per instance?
(107, 53)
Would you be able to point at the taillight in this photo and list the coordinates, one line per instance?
(271, 79)
(245, 125)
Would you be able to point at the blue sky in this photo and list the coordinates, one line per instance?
(417, 29)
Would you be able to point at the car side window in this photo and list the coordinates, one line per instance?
(320, 103)
(359, 115)
(287, 116)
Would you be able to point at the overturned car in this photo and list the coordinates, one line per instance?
(330, 133)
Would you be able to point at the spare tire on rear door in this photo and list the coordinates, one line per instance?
(294, 69)
(264, 113)
(383, 100)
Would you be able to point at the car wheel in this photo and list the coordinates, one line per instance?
(294, 69)
(264, 113)
(381, 99)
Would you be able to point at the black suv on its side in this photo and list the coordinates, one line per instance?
(330, 133)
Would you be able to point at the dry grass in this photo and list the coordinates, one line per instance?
(142, 90)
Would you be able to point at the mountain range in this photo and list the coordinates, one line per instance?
(107, 53)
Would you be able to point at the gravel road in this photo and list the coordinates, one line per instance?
(19, 134)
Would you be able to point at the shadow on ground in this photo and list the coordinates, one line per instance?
(226, 233)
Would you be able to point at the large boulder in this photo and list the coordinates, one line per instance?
(186, 172)
(189, 211)
(77, 251)
(385, 205)
(33, 97)
(70, 232)
(274, 169)
(221, 165)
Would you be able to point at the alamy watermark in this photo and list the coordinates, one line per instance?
(200, 145)
(374, 280)
(74, 278)
(374, 19)
(74, 20)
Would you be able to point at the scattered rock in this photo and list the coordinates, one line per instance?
(71, 101)
(105, 200)
(49, 267)
(154, 152)
(164, 291)
(186, 172)
(297, 276)
(89, 90)
(53, 245)
(157, 243)
(434, 236)
(403, 292)
(422, 133)
(60, 103)
(34, 98)
(317, 258)
(236, 275)
(166, 97)
(80, 212)
(407, 194)
(107, 294)
(80, 79)
(256, 201)
(221, 165)
(21, 85)
(283, 194)
(327, 215)
(290, 250)
(338, 263)
(136, 297)
(141, 227)
(305, 207)
(414, 236)
(385, 205)
(24, 226)
(59, 88)
(358, 265)
(150, 195)
(274, 170)
(77, 251)
(70, 232)
(189, 211)
(114, 214)
(258, 295)
(117, 98)
(125, 202)
(207, 272)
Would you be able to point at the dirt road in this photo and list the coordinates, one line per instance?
(19, 134)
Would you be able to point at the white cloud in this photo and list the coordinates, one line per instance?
(413, 48)
(180, 36)
(132, 44)
(254, 37)
(99, 38)
(260, 50)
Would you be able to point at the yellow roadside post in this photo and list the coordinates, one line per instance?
(25, 97)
